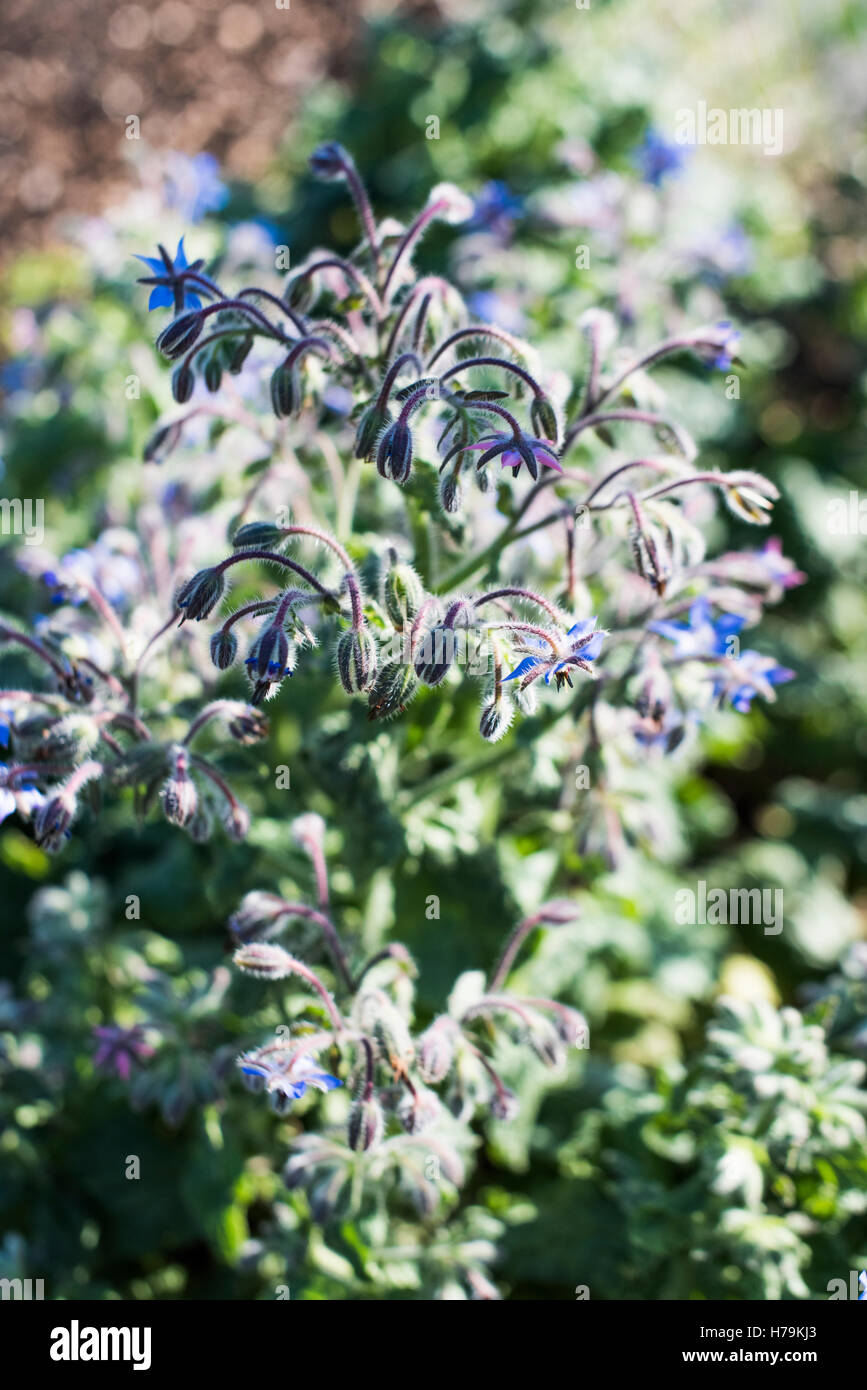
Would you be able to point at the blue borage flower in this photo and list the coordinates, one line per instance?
(751, 674)
(288, 1075)
(193, 185)
(580, 647)
(170, 291)
(748, 673)
(656, 158)
(701, 636)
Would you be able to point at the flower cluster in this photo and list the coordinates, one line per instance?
(402, 1084)
(103, 656)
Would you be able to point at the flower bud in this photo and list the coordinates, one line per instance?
(201, 594)
(356, 660)
(543, 418)
(258, 535)
(392, 689)
(264, 959)
(329, 161)
(53, 819)
(286, 391)
(373, 421)
(183, 383)
(162, 442)
(394, 453)
(436, 1050)
(269, 655)
(224, 648)
(178, 336)
(248, 726)
(546, 1042)
(435, 654)
(366, 1124)
(418, 1111)
(451, 493)
(213, 373)
(239, 352)
(457, 206)
(504, 1105)
(179, 796)
(257, 915)
(201, 827)
(402, 593)
(236, 822)
(496, 717)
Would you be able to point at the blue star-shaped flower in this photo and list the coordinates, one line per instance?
(701, 636)
(170, 291)
(582, 645)
(290, 1076)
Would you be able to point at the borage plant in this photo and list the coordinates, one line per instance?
(399, 1136)
(514, 531)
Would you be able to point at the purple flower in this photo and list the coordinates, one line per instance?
(515, 450)
(657, 157)
(780, 569)
(701, 636)
(581, 646)
(119, 1048)
(170, 291)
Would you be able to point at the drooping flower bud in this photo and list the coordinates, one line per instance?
(435, 653)
(457, 206)
(497, 715)
(417, 1110)
(394, 452)
(366, 1124)
(402, 593)
(248, 726)
(504, 1105)
(239, 352)
(183, 383)
(213, 373)
(356, 660)
(330, 161)
(257, 915)
(436, 1050)
(543, 418)
(264, 959)
(236, 822)
(545, 1042)
(200, 594)
(162, 442)
(451, 493)
(53, 819)
(178, 337)
(373, 421)
(179, 796)
(258, 535)
(269, 655)
(286, 391)
(224, 648)
(393, 688)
